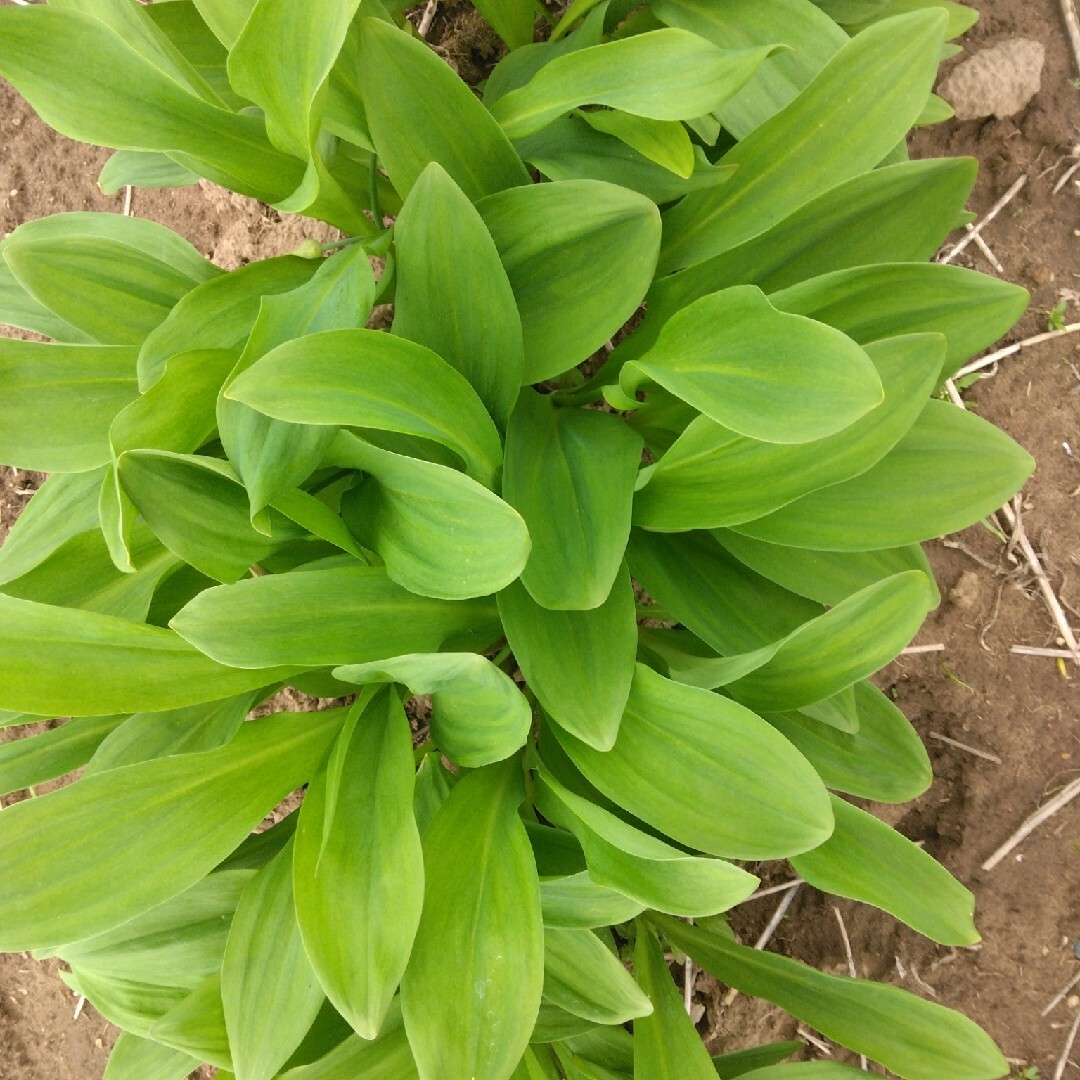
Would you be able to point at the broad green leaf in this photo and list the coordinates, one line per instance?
(315, 516)
(146, 735)
(962, 17)
(225, 18)
(712, 477)
(512, 20)
(133, 1005)
(362, 616)
(612, 1048)
(63, 507)
(440, 533)
(432, 788)
(64, 662)
(219, 314)
(849, 642)
(135, 1058)
(764, 374)
(177, 944)
(145, 169)
(571, 149)
(901, 213)
(663, 75)
(34, 758)
(578, 663)
(269, 990)
(104, 824)
(271, 456)
(884, 760)
(696, 767)
(196, 1025)
(388, 1057)
(740, 24)
(954, 466)
(666, 142)
(872, 302)
(570, 473)
(825, 576)
(863, 101)
(638, 865)
(556, 1025)
(666, 1044)
(37, 46)
(576, 900)
(58, 403)
(916, 1039)
(19, 308)
(580, 256)
(726, 604)
(370, 379)
(419, 111)
(866, 860)
(582, 976)
(739, 1062)
(478, 715)
(199, 512)
(113, 277)
(437, 234)
(358, 869)
(805, 1070)
(472, 989)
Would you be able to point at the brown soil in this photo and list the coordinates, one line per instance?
(1024, 710)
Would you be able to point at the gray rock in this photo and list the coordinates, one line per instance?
(998, 81)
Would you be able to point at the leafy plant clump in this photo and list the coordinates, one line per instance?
(642, 566)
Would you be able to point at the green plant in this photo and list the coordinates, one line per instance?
(1055, 317)
(251, 490)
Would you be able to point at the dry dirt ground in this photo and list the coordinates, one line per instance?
(1024, 711)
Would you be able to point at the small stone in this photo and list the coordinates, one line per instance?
(1073, 1001)
(998, 81)
(965, 593)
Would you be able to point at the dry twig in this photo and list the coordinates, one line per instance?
(1072, 24)
(974, 230)
(964, 746)
(1070, 172)
(913, 650)
(427, 18)
(766, 934)
(1063, 1061)
(1034, 650)
(1061, 799)
(1060, 996)
(850, 963)
(1010, 350)
(772, 890)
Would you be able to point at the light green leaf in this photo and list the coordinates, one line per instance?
(419, 111)
(578, 663)
(805, 1070)
(696, 767)
(145, 169)
(512, 20)
(99, 827)
(64, 506)
(113, 277)
(666, 1044)
(712, 476)
(33, 758)
(58, 403)
(576, 900)
(219, 314)
(440, 533)
(64, 662)
(917, 1039)
(437, 234)
(135, 1058)
(954, 466)
(872, 302)
(580, 256)
(866, 860)
(666, 142)
(638, 865)
(764, 374)
(317, 518)
(584, 977)
(663, 75)
(472, 989)
(36, 46)
(369, 379)
(269, 992)
(362, 616)
(19, 308)
(864, 100)
(478, 715)
(196, 1025)
(825, 576)
(225, 18)
(884, 760)
(570, 474)
(358, 868)
(199, 512)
